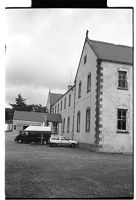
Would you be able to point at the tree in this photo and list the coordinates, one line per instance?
(36, 108)
(20, 104)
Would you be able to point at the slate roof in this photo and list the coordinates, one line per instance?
(54, 117)
(54, 97)
(29, 116)
(112, 52)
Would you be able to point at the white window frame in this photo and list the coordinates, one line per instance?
(122, 70)
(127, 114)
(63, 128)
(88, 121)
(79, 89)
(68, 125)
(88, 85)
(78, 121)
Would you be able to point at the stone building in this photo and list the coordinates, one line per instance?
(98, 111)
(52, 98)
(23, 119)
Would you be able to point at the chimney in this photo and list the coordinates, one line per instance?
(69, 87)
(87, 34)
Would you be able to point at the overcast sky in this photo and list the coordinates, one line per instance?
(44, 46)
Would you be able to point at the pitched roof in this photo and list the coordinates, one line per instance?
(112, 52)
(29, 116)
(54, 117)
(54, 97)
(71, 88)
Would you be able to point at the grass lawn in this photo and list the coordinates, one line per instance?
(38, 171)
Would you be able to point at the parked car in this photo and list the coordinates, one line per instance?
(36, 134)
(56, 140)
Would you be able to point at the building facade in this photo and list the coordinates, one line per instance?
(52, 98)
(98, 111)
(23, 119)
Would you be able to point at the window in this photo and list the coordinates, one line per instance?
(55, 127)
(61, 106)
(58, 107)
(69, 100)
(79, 90)
(89, 83)
(87, 119)
(15, 127)
(122, 119)
(65, 103)
(78, 121)
(55, 138)
(55, 109)
(122, 79)
(68, 124)
(63, 129)
(85, 59)
(24, 127)
(52, 109)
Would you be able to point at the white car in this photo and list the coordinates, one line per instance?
(57, 140)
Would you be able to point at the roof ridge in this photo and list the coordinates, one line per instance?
(55, 93)
(28, 111)
(110, 43)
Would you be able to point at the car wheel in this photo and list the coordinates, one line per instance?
(20, 141)
(73, 145)
(44, 142)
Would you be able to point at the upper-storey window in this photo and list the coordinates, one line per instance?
(65, 103)
(85, 59)
(69, 100)
(122, 79)
(89, 82)
(61, 106)
(79, 89)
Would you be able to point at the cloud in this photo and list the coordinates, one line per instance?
(44, 45)
(31, 94)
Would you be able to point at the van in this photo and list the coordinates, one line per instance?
(38, 134)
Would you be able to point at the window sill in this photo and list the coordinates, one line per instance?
(120, 88)
(122, 132)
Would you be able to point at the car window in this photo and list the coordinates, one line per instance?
(55, 138)
(64, 138)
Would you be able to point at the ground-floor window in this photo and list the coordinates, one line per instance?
(63, 128)
(78, 121)
(55, 127)
(87, 119)
(122, 119)
(68, 125)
